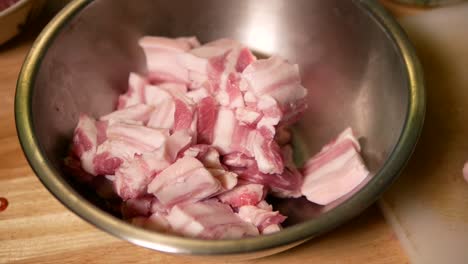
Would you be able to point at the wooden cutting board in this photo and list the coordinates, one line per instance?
(428, 206)
(36, 228)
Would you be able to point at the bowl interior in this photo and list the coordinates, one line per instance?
(354, 73)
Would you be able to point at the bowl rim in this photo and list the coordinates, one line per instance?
(15, 6)
(296, 234)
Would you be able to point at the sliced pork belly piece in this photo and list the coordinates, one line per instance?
(271, 113)
(226, 58)
(186, 180)
(133, 177)
(173, 109)
(155, 222)
(168, 60)
(207, 154)
(198, 94)
(157, 94)
(224, 130)
(335, 171)
(138, 113)
(267, 152)
(248, 116)
(227, 179)
(178, 142)
(142, 206)
(266, 220)
(209, 220)
(144, 138)
(123, 142)
(284, 185)
(247, 194)
(277, 78)
(135, 93)
(137, 207)
(181, 44)
(207, 116)
(238, 159)
(88, 134)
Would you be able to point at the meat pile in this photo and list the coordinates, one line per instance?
(197, 143)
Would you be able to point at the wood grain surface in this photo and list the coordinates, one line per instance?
(36, 228)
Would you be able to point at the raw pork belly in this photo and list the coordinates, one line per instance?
(197, 143)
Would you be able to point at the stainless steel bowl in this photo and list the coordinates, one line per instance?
(356, 62)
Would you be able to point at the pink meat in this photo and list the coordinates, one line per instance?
(137, 207)
(123, 142)
(225, 59)
(227, 179)
(206, 154)
(271, 113)
(238, 159)
(155, 222)
(277, 78)
(267, 152)
(186, 180)
(262, 218)
(138, 113)
(224, 128)
(209, 220)
(135, 92)
(177, 143)
(157, 94)
(286, 184)
(198, 94)
(245, 59)
(168, 60)
(248, 116)
(133, 177)
(248, 194)
(85, 142)
(335, 171)
(207, 115)
(141, 137)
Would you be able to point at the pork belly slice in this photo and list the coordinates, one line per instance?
(88, 135)
(335, 171)
(173, 109)
(266, 220)
(123, 142)
(246, 194)
(135, 93)
(142, 206)
(207, 154)
(226, 179)
(168, 59)
(209, 220)
(133, 177)
(279, 79)
(155, 222)
(226, 59)
(207, 116)
(267, 152)
(238, 159)
(186, 180)
(138, 114)
(284, 185)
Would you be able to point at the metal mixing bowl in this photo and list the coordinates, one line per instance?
(355, 60)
